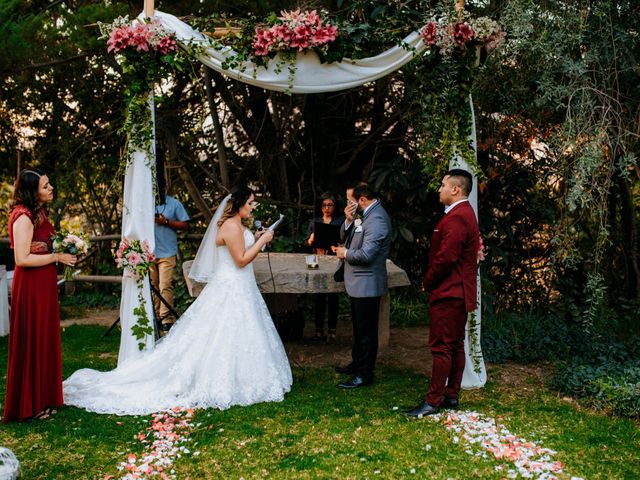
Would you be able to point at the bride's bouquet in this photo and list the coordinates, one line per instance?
(72, 243)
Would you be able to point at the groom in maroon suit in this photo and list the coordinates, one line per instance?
(451, 283)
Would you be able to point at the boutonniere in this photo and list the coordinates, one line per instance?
(357, 222)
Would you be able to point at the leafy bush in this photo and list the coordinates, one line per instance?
(596, 367)
(409, 308)
(524, 337)
(609, 385)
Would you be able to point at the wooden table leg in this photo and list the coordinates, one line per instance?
(384, 321)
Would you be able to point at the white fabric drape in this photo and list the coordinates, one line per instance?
(137, 224)
(471, 378)
(311, 75)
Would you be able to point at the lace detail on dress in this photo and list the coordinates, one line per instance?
(223, 351)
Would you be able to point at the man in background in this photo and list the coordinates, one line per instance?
(368, 240)
(170, 217)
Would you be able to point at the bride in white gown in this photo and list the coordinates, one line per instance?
(223, 351)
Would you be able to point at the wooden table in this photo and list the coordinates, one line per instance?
(291, 276)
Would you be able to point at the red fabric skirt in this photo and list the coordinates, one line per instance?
(34, 371)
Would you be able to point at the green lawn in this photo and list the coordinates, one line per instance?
(322, 432)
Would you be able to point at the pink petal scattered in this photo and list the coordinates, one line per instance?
(484, 434)
(169, 431)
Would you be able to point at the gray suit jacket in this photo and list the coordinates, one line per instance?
(365, 269)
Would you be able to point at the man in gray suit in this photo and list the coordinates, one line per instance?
(368, 239)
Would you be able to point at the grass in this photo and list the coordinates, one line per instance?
(322, 432)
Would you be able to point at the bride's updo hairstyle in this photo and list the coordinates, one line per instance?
(239, 196)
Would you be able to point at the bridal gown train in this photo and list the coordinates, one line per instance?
(223, 351)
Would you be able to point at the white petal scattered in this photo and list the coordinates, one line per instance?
(484, 436)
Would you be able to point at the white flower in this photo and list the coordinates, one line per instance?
(358, 222)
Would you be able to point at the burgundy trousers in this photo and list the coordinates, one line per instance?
(446, 342)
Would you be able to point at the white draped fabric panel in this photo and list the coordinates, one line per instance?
(311, 76)
(137, 224)
(472, 378)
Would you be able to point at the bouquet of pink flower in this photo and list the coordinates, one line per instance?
(74, 244)
(150, 37)
(294, 31)
(135, 256)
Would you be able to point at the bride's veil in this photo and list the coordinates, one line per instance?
(206, 259)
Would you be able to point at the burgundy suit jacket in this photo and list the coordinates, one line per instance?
(453, 257)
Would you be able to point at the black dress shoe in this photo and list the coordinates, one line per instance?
(354, 382)
(346, 370)
(422, 410)
(448, 402)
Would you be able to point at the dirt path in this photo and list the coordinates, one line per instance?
(93, 317)
(407, 349)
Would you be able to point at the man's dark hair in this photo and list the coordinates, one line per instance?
(464, 179)
(364, 190)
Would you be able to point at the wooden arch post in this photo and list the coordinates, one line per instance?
(149, 8)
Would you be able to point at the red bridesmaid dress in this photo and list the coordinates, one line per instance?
(34, 371)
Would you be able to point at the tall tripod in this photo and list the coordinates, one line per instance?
(158, 322)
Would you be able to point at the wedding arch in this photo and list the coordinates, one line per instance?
(311, 76)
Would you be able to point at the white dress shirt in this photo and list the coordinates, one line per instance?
(448, 208)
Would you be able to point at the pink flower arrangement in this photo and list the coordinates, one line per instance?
(139, 37)
(446, 36)
(135, 256)
(296, 31)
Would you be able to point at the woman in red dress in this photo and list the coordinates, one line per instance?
(34, 371)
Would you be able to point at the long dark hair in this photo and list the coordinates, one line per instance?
(239, 196)
(25, 192)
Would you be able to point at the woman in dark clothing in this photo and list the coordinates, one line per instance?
(324, 301)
